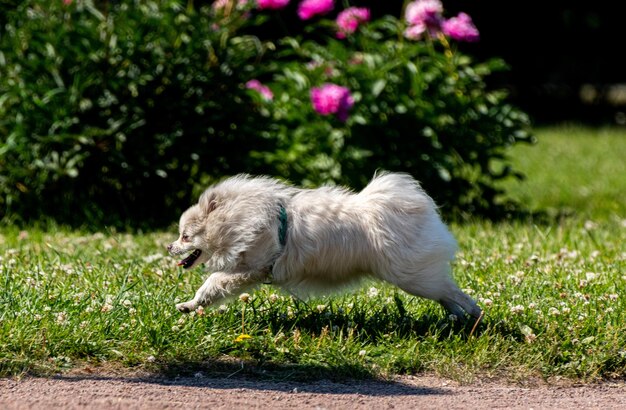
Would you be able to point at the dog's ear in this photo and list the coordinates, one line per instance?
(208, 202)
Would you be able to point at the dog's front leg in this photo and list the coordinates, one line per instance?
(218, 286)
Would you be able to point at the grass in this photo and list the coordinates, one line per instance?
(574, 170)
(552, 294)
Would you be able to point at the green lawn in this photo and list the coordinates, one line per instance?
(574, 170)
(553, 295)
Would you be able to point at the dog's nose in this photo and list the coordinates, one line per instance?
(169, 247)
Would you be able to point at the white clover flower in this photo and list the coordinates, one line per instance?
(362, 352)
(554, 311)
(591, 276)
(200, 310)
(150, 359)
(532, 259)
(487, 302)
(175, 328)
(132, 311)
(38, 317)
(127, 303)
(532, 305)
(222, 309)
(47, 309)
(244, 297)
(67, 268)
(107, 307)
(613, 296)
(517, 309)
(372, 292)
(62, 318)
(273, 297)
(321, 308)
(590, 225)
(83, 324)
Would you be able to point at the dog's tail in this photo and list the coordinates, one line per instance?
(400, 189)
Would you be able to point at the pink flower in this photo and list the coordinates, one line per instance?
(261, 89)
(272, 4)
(332, 99)
(349, 19)
(67, 2)
(310, 8)
(415, 31)
(461, 28)
(427, 12)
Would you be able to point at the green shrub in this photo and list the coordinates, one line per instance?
(121, 112)
(117, 113)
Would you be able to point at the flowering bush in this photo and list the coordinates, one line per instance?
(384, 96)
(123, 111)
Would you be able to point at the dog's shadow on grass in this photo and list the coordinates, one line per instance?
(370, 325)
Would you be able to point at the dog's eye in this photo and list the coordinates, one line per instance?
(185, 237)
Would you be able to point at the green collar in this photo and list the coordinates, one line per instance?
(282, 238)
(282, 229)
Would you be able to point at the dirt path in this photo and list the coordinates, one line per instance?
(424, 392)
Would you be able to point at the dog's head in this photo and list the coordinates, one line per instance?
(231, 218)
(192, 238)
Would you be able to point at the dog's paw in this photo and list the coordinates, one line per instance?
(186, 307)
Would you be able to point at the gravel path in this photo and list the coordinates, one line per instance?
(424, 392)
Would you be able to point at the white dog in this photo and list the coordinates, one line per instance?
(258, 230)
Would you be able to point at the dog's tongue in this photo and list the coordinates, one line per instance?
(189, 260)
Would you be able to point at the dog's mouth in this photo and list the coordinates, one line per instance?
(190, 260)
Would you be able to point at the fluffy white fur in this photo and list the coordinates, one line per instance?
(391, 230)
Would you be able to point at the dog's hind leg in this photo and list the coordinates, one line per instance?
(218, 286)
(436, 284)
(456, 302)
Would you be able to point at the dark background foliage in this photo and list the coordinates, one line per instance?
(556, 50)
